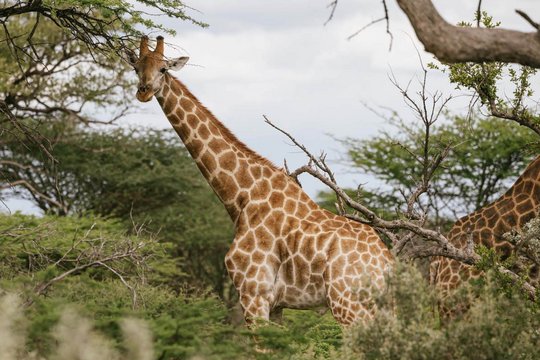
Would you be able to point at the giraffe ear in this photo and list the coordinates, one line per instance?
(177, 64)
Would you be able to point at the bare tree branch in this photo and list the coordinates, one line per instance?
(453, 44)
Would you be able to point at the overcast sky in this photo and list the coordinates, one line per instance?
(278, 58)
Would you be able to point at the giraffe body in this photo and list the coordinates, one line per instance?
(487, 226)
(287, 251)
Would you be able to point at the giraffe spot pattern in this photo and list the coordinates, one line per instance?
(287, 252)
(487, 225)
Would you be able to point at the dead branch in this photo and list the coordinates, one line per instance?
(453, 44)
(88, 251)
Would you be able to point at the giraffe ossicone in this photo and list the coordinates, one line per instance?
(287, 251)
(487, 226)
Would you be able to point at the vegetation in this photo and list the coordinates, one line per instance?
(489, 152)
(91, 313)
(127, 260)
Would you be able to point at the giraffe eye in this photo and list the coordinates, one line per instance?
(163, 70)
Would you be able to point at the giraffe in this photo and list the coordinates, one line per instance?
(487, 225)
(287, 251)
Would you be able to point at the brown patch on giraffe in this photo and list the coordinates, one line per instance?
(186, 104)
(361, 246)
(274, 221)
(192, 121)
(267, 172)
(260, 190)
(276, 199)
(196, 146)
(203, 131)
(229, 264)
(208, 160)
(337, 264)
(250, 287)
(304, 198)
(375, 250)
(227, 161)
(226, 186)
(175, 120)
(242, 198)
(241, 260)
(214, 129)
(353, 257)
(164, 92)
(290, 206)
(527, 217)
(291, 191)
(252, 271)
(245, 181)
(200, 114)
(524, 207)
(279, 182)
(348, 245)
(265, 241)
(169, 104)
(256, 171)
(217, 146)
(247, 243)
(183, 130)
(273, 261)
(257, 213)
(258, 257)
(237, 279)
(321, 242)
(366, 258)
(288, 275)
(302, 210)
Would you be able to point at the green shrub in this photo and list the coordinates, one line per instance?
(500, 324)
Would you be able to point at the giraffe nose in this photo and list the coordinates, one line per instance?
(143, 88)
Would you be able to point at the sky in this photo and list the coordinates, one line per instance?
(278, 58)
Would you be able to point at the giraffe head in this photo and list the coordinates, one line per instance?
(151, 67)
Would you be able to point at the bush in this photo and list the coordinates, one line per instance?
(501, 324)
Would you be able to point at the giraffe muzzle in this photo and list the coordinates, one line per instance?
(144, 93)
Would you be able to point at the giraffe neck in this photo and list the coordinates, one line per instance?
(514, 209)
(229, 166)
(525, 193)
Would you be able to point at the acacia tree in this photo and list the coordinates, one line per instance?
(62, 62)
(62, 59)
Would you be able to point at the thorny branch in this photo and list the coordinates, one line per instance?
(91, 251)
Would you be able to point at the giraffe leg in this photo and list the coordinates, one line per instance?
(255, 307)
(349, 305)
(253, 278)
(276, 315)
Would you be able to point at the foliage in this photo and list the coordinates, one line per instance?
(499, 325)
(488, 155)
(63, 60)
(485, 81)
(524, 259)
(182, 325)
(141, 176)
